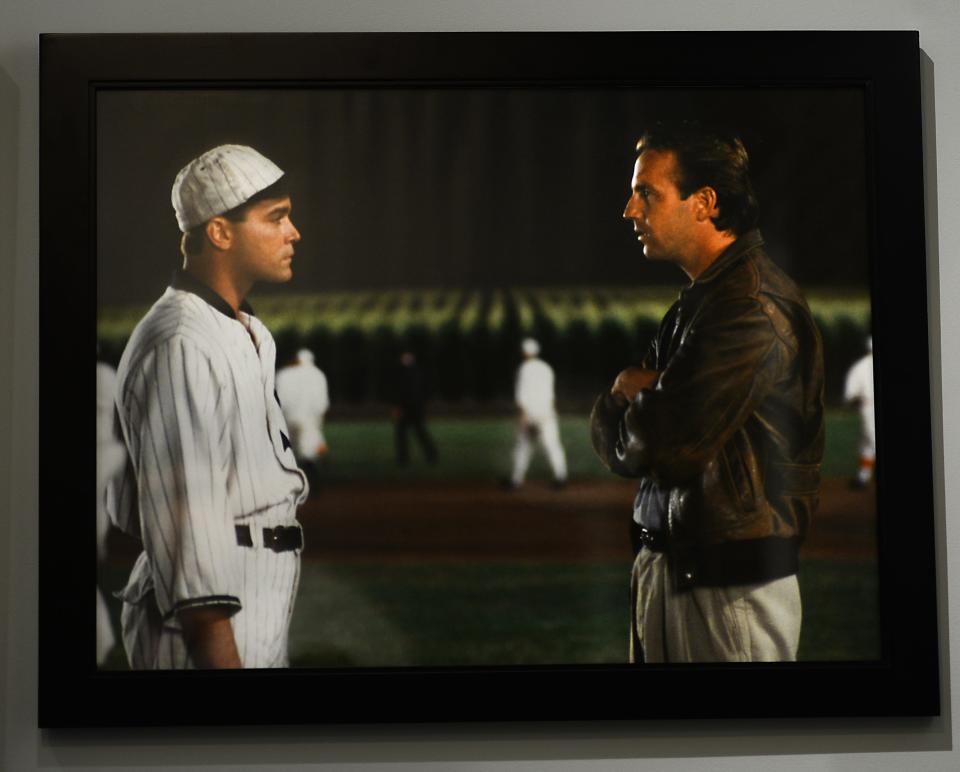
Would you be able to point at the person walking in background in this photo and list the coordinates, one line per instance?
(858, 392)
(409, 411)
(304, 399)
(534, 397)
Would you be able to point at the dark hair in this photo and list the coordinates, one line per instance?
(191, 243)
(709, 157)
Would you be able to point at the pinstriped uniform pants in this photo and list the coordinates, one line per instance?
(260, 627)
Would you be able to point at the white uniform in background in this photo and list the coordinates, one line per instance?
(538, 417)
(212, 470)
(111, 457)
(304, 397)
(859, 387)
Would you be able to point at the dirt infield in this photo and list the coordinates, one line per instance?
(586, 520)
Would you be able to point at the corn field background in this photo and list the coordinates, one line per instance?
(467, 340)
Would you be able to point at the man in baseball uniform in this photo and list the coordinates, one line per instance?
(723, 421)
(538, 417)
(302, 389)
(213, 485)
(858, 391)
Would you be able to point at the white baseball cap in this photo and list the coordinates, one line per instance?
(218, 181)
(305, 356)
(530, 347)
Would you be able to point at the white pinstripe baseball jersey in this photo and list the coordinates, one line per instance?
(208, 450)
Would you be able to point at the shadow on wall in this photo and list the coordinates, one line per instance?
(9, 143)
(932, 228)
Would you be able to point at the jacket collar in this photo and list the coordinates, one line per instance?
(184, 281)
(745, 243)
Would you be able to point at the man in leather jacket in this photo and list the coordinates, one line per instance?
(723, 420)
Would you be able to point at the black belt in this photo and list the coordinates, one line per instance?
(279, 539)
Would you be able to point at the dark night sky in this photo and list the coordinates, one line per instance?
(457, 188)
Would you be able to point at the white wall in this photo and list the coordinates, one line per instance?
(741, 746)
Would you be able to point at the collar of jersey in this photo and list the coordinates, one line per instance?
(184, 281)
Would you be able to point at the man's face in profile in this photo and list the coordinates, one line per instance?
(264, 241)
(662, 220)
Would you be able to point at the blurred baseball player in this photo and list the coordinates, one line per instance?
(409, 411)
(111, 457)
(538, 417)
(858, 391)
(302, 389)
(213, 485)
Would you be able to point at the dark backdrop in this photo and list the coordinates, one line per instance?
(473, 187)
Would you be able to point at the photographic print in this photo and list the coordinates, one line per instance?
(441, 238)
(462, 365)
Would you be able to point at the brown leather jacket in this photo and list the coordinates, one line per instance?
(728, 443)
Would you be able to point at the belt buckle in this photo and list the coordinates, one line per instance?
(282, 539)
(651, 540)
(272, 539)
(269, 539)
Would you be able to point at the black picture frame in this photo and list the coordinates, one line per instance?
(886, 65)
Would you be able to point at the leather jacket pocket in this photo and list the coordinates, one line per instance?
(737, 474)
(718, 508)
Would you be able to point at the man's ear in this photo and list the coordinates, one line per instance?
(706, 204)
(220, 232)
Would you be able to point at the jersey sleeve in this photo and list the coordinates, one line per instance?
(323, 394)
(177, 421)
(518, 387)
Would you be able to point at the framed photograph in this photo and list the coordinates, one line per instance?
(476, 236)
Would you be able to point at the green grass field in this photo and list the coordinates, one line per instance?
(376, 614)
(520, 613)
(480, 448)
(475, 613)
(480, 612)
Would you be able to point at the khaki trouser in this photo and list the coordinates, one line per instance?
(740, 623)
